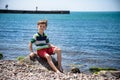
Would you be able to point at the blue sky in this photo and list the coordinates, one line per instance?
(72, 5)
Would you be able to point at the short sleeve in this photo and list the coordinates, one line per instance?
(34, 38)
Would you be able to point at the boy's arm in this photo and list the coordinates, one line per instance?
(30, 47)
(32, 55)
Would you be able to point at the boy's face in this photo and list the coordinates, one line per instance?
(42, 27)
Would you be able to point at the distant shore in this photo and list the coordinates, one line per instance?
(35, 11)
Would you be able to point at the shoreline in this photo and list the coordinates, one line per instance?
(35, 11)
(12, 69)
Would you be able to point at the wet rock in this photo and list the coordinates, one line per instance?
(1, 55)
(20, 58)
(98, 69)
(75, 70)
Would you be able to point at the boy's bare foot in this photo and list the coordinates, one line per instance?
(58, 71)
(61, 69)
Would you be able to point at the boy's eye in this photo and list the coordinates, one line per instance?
(42, 26)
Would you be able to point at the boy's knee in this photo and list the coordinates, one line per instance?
(58, 50)
(47, 56)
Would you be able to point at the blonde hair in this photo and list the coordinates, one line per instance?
(42, 22)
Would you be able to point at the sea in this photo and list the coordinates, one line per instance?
(87, 39)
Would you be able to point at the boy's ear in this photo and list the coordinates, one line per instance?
(46, 28)
(37, 26)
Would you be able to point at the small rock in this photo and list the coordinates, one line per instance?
(115, 73)
(1, 55)
(75, 70)
(15, 73)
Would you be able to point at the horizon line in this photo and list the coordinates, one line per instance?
(66, 10)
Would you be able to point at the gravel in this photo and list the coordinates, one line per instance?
(14, 70)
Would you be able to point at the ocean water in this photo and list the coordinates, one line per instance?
(87, 39)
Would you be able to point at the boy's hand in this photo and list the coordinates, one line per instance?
(32, 56)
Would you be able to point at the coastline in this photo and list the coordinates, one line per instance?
(35, 11)
(14, 70)
(86, 56)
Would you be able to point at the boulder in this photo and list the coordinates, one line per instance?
(38, 62)
(115, 74)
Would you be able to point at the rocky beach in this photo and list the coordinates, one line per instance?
(29, 70)
(87, 40)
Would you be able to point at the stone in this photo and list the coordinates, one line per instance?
(20, 58)
(110, 74)
(115, 73)
(38, 61)
(1, 55)
(75, 70)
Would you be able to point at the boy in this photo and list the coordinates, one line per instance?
(44, 48)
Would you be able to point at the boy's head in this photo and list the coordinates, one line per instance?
(42, 25)
(42, 22)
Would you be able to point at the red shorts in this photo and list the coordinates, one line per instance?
(42, 52)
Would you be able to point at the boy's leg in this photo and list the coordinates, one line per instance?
(58, 52)
(44, 54)
(50, 62)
